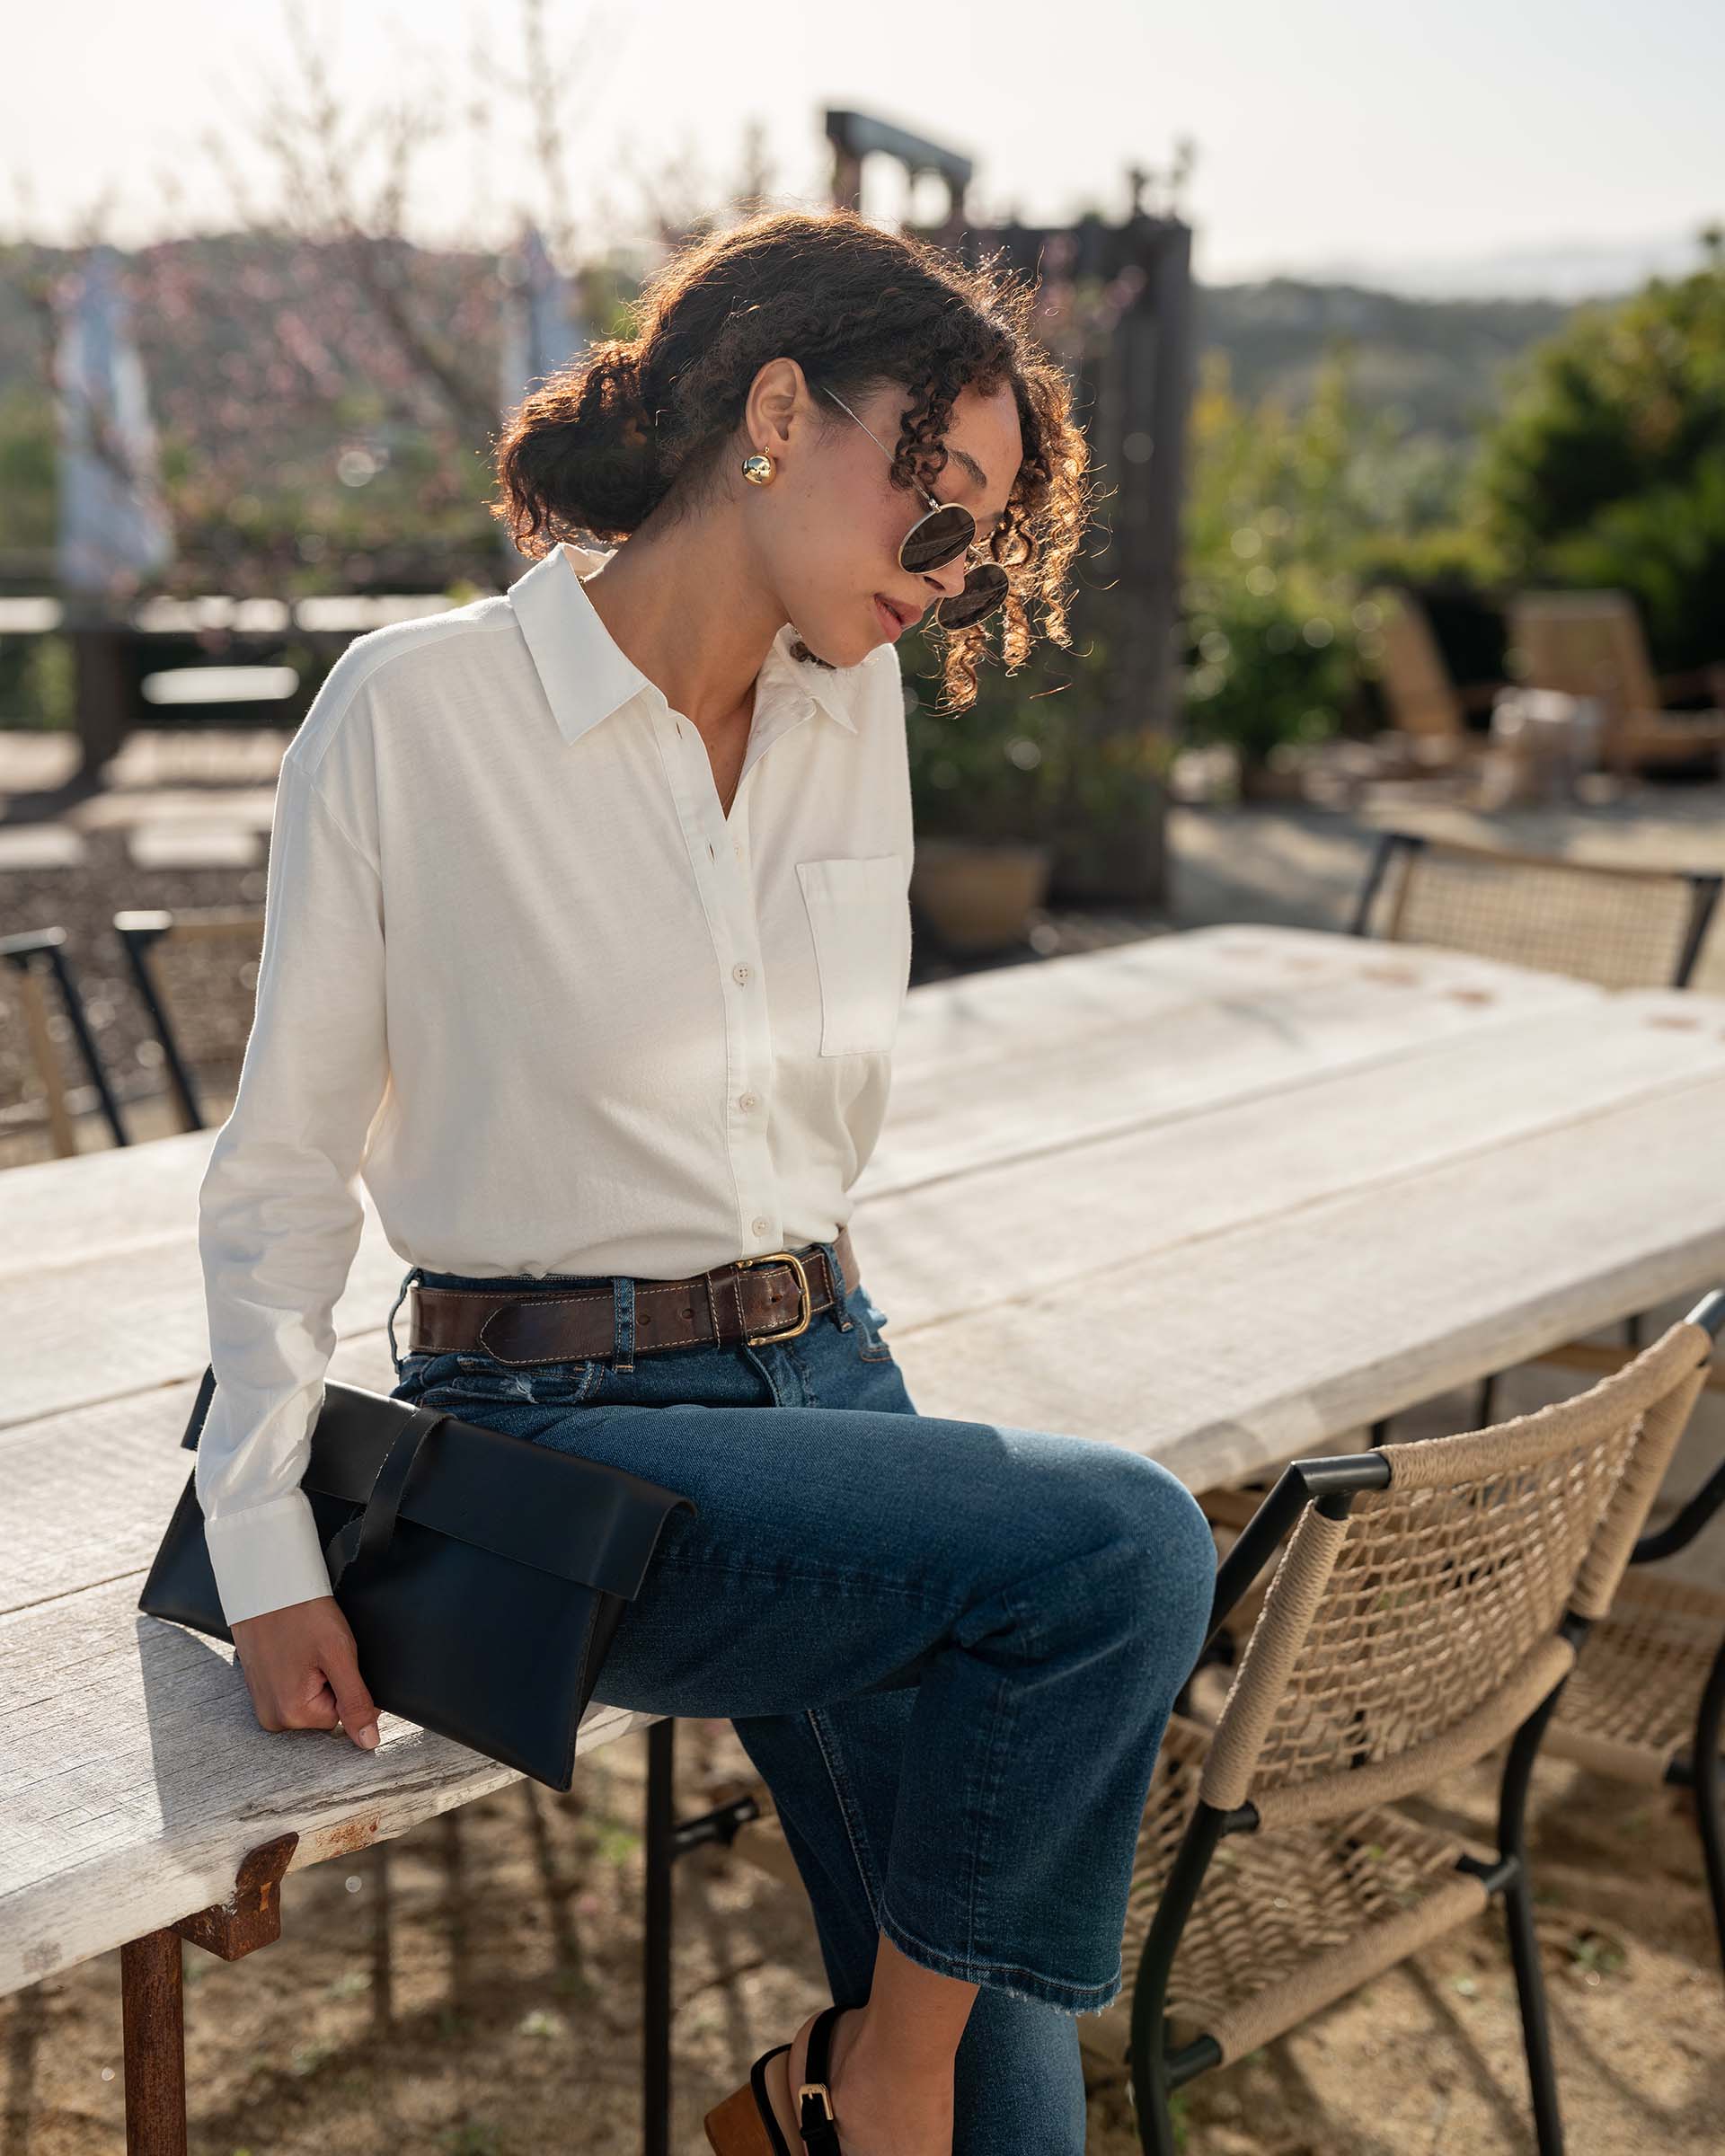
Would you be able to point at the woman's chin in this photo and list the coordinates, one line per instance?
(835, 651)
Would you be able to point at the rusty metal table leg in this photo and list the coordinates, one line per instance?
(155, 2050)
(152, 2007)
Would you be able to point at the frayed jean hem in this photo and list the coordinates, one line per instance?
(1003, 1976)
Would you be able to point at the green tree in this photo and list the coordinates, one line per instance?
(1608, 465)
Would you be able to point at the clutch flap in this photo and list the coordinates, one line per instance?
(580, 1519)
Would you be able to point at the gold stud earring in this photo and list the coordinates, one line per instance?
(758, 470)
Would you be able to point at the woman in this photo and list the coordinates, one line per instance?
(586, 940)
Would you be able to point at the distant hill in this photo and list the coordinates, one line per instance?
(1567, 271)
(1439, 361)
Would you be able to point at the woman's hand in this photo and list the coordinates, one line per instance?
(301, 1668)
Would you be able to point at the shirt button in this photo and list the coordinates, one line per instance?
(739, 973)
(744, 1099)
(761, 1225)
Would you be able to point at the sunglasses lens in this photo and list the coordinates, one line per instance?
(940, 537)
(983, 590)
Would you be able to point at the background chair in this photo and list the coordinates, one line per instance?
(1429, 1602)
(1429, 713)
(1589, 643)
(37, 1100)
(1619, 924)
(197, 973)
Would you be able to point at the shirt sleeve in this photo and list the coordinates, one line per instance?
(280, 1215)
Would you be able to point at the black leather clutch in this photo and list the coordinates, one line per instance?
(484, 1577)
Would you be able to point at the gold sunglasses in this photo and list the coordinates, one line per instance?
(947, 531)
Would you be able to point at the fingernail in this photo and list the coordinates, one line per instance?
(368, 1736)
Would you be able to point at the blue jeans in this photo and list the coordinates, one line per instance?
(949, 1648)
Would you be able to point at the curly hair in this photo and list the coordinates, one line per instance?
(636, 421)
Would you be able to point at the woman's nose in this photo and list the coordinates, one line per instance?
(948, 579)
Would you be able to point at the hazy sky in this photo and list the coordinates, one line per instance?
(1375, 133)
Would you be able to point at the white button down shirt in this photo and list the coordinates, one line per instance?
(523, 976)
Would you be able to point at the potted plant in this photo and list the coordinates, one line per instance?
(981, 867)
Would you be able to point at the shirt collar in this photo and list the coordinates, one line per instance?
(587, 675)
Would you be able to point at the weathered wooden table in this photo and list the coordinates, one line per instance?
(1222, 1196)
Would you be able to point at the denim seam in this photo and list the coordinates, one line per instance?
(982, 1811)
(849, 1812)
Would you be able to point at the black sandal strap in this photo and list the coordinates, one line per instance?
(814, 2099)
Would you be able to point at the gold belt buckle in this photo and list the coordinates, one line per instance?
(790, 1257)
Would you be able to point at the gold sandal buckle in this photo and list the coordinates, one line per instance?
(815, 2089)
(760, 1339)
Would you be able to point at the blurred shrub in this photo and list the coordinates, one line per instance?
(38, 683)
(1289, 514)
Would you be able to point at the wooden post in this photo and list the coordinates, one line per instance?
(102, 696)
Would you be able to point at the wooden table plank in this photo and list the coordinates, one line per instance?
(1226, 1353)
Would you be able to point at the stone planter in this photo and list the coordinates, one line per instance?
(977, 894)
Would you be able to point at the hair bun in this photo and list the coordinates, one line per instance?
(583, 452)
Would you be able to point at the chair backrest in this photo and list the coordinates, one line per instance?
(1411, 1633)
(1418, 690)
(1589, 643)
(196, 971)
(1620, 924)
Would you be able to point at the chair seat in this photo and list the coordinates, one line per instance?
(1629, 1710)
(1288, 1921)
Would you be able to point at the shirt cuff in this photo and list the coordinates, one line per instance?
(265, 1557)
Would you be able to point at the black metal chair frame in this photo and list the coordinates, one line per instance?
(1331, 1485)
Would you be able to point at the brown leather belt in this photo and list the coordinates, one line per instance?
(751, 1300)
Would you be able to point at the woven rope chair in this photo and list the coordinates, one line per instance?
(1428, 1603)
(1647, 1705)
(1614, 924)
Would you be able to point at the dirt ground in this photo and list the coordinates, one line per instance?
(474, 1988)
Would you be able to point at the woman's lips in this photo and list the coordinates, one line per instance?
(888, 621)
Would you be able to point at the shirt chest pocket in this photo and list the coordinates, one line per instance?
(860, 918)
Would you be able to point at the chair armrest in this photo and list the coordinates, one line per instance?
(1302, 1483)
(1679, 1532)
